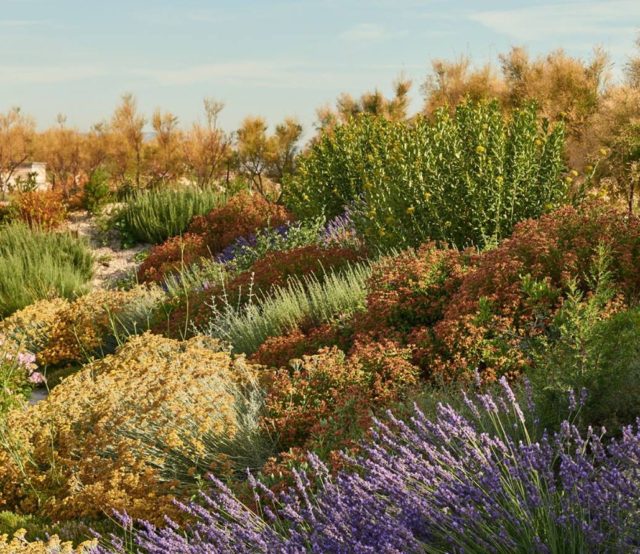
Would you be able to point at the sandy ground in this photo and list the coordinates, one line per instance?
(112, 262)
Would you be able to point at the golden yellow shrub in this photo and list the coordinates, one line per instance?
(90, 322)
(67, 457)
(31, 327)
(18, 545)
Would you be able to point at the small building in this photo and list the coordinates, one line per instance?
(22, 173)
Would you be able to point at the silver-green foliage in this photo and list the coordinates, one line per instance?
(310, 299)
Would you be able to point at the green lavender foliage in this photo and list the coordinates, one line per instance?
(316, 299)
(156, 215)
(36, 264)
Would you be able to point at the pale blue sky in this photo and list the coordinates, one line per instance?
(271, 58)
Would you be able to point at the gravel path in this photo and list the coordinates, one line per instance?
(112, 262)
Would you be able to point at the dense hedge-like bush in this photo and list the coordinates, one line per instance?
(462, 179)
(156, 215)
(68, 456)
(35, 264)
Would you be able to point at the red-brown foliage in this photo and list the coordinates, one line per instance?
(279, 351)
(277, 267)
(243, 215)
(273, 270)
(40, 208)
(462, 311)
(171, 256)
(325, 401)
(207, 235)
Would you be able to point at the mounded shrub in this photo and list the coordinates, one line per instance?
(156, 215)
(39, 208)
(97, 322)
(68, 456)
(35, 264)
(210, 234)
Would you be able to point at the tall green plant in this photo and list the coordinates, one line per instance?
(464, 179)
(156, 215)
(36, 264)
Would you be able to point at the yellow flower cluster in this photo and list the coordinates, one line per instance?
(31, 327)
(82, 327)
(68, 457)
(19, 545)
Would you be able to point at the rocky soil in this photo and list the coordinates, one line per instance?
(112, 262)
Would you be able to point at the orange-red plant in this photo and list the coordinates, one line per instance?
(40, 208)
(242, 215)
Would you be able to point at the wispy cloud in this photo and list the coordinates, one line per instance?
(39, 75)
(369, 32)
(250, 72)
(543, 21)
(267, 74)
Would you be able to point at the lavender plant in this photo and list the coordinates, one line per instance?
(475, 480)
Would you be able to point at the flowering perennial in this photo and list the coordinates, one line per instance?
(473, 480)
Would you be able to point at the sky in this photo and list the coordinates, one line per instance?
(270, 58)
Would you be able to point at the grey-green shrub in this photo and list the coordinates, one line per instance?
(156, 215)
(36, 264)
(463, 179)
(311, 298)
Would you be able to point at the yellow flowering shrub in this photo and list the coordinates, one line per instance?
(68, 457)
(19, 545)
(31, 327)
(89, 323)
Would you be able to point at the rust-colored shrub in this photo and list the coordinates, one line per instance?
(324, 402)
(462, 311)
(171, 256)
(276, 268)
(40, 208)
(242, 215)
(279, 351)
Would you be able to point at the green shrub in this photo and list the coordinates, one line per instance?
(308, 299)
(156, 215)
(97, 191)
(593, 345)
(35, 264)
(462, 179)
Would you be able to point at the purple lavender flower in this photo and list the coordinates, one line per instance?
(339, 229)
(454, 483)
